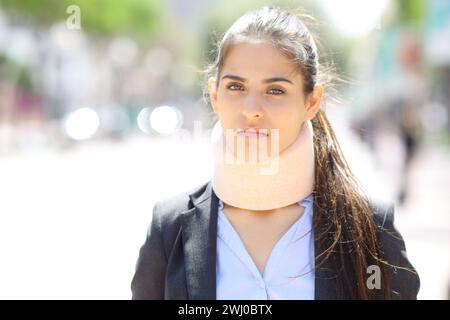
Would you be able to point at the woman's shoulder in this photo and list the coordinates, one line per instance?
(384, 216)
(405, 280)
(170, 208)
(383, 213)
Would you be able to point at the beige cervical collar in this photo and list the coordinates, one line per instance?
(276, 181)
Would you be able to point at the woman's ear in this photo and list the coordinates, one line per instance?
(212, 93)
(314, 101)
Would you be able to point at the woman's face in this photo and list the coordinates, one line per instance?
(259, 87)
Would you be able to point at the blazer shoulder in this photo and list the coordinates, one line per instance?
(383, 213)
(405, 281)
(155, 254)
(169, 209)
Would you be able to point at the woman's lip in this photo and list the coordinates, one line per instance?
(252, 133)
(255, 130)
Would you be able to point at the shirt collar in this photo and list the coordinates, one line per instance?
(303, 226)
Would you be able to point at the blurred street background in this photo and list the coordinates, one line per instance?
(102, 114)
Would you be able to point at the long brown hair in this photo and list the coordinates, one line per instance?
(343, 218)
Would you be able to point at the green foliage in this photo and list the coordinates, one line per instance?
(411, 11)
(134, 17)
(10, 69)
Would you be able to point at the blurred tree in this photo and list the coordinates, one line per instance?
(141, 18)
(411, 11)
(13, 71)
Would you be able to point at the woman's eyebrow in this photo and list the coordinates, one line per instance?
(269, 80)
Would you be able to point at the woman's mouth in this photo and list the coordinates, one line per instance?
(253, 133)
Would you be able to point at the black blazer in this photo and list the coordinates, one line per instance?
(178, 258)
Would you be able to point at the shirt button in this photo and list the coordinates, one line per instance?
(261, 285)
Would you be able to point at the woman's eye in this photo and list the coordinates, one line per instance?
(276, 91)
(234, 86)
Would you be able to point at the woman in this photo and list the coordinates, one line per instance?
(288, 221)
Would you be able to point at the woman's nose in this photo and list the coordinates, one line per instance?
(252, 108)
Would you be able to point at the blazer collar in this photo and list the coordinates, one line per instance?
(199, 235)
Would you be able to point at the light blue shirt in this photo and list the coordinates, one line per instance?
(289, 270)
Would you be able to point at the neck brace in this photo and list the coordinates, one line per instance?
(273, 182)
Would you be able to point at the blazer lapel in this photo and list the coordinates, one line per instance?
(199, 230)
